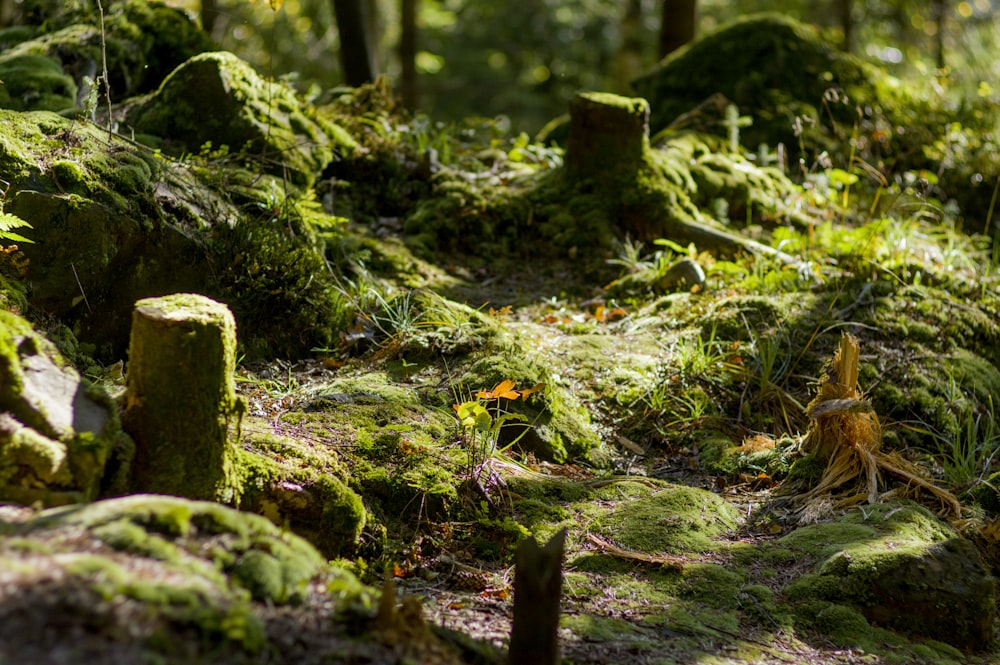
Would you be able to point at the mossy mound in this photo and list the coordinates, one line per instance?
(673, 520)
(901, 568)
(35, 83)
(772, 67)
(57, 431)
(212, 539)
(216, 99)
(142, 42)
(560, 427)
(152, 578)
(123, 224)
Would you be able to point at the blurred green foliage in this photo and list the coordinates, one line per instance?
(524, 59)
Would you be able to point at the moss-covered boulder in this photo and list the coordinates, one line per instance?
(151, 578)
(123, 224)
(57, 431)
(35, 83)
(142, 41)
(773, 68)
(219, 100)
(903, 569)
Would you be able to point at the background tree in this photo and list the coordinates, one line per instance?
(355, 43)
(408, 52)
(678, 24)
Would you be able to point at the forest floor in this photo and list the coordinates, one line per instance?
(635, 589)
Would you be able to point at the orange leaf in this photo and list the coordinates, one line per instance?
(533, 389)
(503, 390)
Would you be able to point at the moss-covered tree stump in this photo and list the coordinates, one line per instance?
(181, 404)
(606, 132)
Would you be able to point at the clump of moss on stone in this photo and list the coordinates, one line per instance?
(274, 566)
(786, 70)
(559, 426)
(673, 520)
(217, 99)
(35, 83)
(897, 565)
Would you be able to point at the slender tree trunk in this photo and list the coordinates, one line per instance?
(628, 60)
(355, 42)
(846, 10)
(939, 9)
(209, 14)
(6, 13)
(408, 52)
(677, 24)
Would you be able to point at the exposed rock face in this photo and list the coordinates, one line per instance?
(57, 431)
(219, 100)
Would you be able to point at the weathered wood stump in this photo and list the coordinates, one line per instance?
(606, 132)
(537, 588)
(181, 402)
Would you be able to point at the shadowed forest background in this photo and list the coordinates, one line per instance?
(521, 61)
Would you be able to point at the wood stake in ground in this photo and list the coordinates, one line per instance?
(181, 403)
(537, 588)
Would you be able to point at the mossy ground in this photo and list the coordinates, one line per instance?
(453, 277)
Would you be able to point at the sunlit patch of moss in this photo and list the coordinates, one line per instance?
(559, 425)
(673, 520)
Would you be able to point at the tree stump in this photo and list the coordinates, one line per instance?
(606, 133)
(181, 402)
(537, 588)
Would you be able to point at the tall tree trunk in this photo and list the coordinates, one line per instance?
(408, 52)
(209, 14)
(355, 42)
(939, 8)
(628, 60)
(846, 10)
(677, 24)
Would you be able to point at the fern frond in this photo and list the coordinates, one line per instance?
(8, 222)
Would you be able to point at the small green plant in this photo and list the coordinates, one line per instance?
(966, 453)
(8, 223)
(482, 419)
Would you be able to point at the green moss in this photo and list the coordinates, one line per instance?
(218, 99)
(560, 426)
(343, 516)
(204, 539)
(806, 470)
(786, 67)
(35, 83)
(674, 520)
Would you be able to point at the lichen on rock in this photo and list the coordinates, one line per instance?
(57, 431)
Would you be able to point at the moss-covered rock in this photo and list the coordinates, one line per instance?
(901, 568)
(773, 68)
(57, 431)
(141, 42)
(35, 83)
(674, 519)
(219, 100)
(559, 426)
(123, 224)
